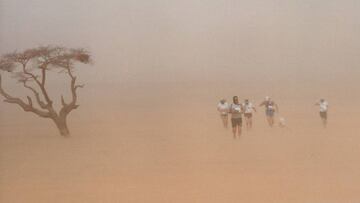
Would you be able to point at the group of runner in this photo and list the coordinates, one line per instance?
(237, 109)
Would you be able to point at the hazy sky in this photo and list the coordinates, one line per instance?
(177, 41)
(152, 53)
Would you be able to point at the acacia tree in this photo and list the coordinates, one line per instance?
(31, 67)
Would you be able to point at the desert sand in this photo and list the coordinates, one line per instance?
(163, 147)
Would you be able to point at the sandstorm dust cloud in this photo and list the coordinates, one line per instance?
(147, 129)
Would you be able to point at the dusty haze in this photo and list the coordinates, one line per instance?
(147, 129)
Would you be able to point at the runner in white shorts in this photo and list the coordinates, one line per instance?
(248, 113)
(324, 106)
(223, 109)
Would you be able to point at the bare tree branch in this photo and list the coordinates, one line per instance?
(37, 96)
(26, 107)
(67, 108)
(40, 84)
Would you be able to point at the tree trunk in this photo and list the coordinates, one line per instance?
(62, 126)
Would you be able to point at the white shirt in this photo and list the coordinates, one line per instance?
(236, 110)
(223, 108)
(323, 106)
(249, 108)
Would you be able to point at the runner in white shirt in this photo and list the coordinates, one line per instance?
(223, 109)
(324, 105)
(248, 113)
